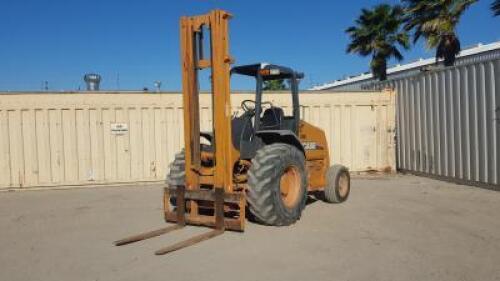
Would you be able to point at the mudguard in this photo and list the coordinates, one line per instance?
(283, 136)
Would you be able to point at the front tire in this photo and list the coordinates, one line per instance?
(177, 174)
(277, 185)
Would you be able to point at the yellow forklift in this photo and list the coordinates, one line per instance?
(263, 160)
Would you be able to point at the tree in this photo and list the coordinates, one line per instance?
(377, 32)
(274, 85)
(436, 21)
(495, 7)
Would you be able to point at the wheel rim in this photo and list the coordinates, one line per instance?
(290, 186)
(343, 185)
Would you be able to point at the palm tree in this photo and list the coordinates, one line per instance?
(436, 21)
(377, 33)
(495, 6)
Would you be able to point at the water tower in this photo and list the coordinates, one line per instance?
(92, 80)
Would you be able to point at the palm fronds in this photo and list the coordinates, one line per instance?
(377, 32)
(495, 7)
(436, 21)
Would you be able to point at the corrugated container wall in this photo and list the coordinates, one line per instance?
(86, 139)
(448, 123)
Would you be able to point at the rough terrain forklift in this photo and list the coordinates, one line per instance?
(263, 161)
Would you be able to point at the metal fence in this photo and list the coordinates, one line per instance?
(64, 139)
(448, 123)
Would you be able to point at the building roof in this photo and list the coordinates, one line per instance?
(477, 49)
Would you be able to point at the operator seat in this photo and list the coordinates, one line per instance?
(272, 118)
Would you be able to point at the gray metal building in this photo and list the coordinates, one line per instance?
(448, 118)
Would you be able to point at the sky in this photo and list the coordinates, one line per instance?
(131, 44)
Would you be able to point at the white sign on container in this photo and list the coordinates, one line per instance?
(119, 128)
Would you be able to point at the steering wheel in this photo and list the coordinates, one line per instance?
(248, 105)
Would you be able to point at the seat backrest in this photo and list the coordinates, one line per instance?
(272, 119)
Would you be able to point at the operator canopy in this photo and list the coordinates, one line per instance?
(267, 71)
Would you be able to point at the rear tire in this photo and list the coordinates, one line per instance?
(277, 185)
(338, 184)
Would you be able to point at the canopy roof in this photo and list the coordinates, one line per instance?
(267, 71)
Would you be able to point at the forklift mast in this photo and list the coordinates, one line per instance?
(217, 181)
(193, 31)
